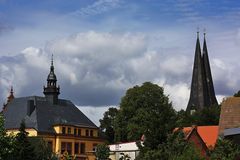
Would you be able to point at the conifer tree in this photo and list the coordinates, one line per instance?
(24, 149)
(6, 142)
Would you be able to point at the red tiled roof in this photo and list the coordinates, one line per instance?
(209, 134)
(187, 131)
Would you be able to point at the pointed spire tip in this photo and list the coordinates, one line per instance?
(52, 60)
(197, 32)
(204, 32)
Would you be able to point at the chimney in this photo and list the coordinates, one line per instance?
(30, 107)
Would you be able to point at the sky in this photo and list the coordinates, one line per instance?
(103, 47)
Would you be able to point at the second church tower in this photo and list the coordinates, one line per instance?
(202, 90)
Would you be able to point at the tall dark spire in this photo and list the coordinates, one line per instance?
(197, 93)
(202, 91)
(210, 99)
(51, 91)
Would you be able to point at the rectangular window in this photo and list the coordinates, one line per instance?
(66, 147)
(63, 130)
(76, 148)
(63, 147)
(50, 145)
(69, 130)
(69, 148)
(79, 132)
(91, 133)
(82, 148)
(87, 132)
(75, 131)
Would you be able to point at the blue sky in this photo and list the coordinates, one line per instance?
(103, 47)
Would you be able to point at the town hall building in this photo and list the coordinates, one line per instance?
(58, 121)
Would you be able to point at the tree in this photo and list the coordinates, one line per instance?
(24, 149)
(41, 149)
(102, 152)
(237, 94)
(208, 116)
(225, 150)
(205, 116)
(145, 110)
(107, 124)
(7, 142)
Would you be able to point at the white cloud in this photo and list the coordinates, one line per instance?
(179, 94)
(94, 113)
(93, 44)
(98, 7)
(176, 65)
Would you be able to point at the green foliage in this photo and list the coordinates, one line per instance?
(41, 149)
(176, 147)
(66, 156)
(206, 116)
(225, 150)
(24, 149)
(7, 143)
(102, 152)
(145, 110)
(107, 124)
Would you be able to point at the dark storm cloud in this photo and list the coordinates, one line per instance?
(222, 88)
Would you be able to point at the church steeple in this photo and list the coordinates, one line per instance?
(51, 91)
(210, 96)
(197, 95)
(202, 91)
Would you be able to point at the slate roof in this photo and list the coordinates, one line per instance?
(231, 132)
(44, 115)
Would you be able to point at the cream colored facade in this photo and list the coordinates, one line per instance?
(129, 149)
(77, 141)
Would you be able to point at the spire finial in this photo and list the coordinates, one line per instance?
(11, 91)
(52, 60)
(11, 96)
(198, 32)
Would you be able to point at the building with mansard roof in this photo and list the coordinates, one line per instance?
(202, 92)
(58, 121)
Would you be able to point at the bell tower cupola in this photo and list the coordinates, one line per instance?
(51, 91)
